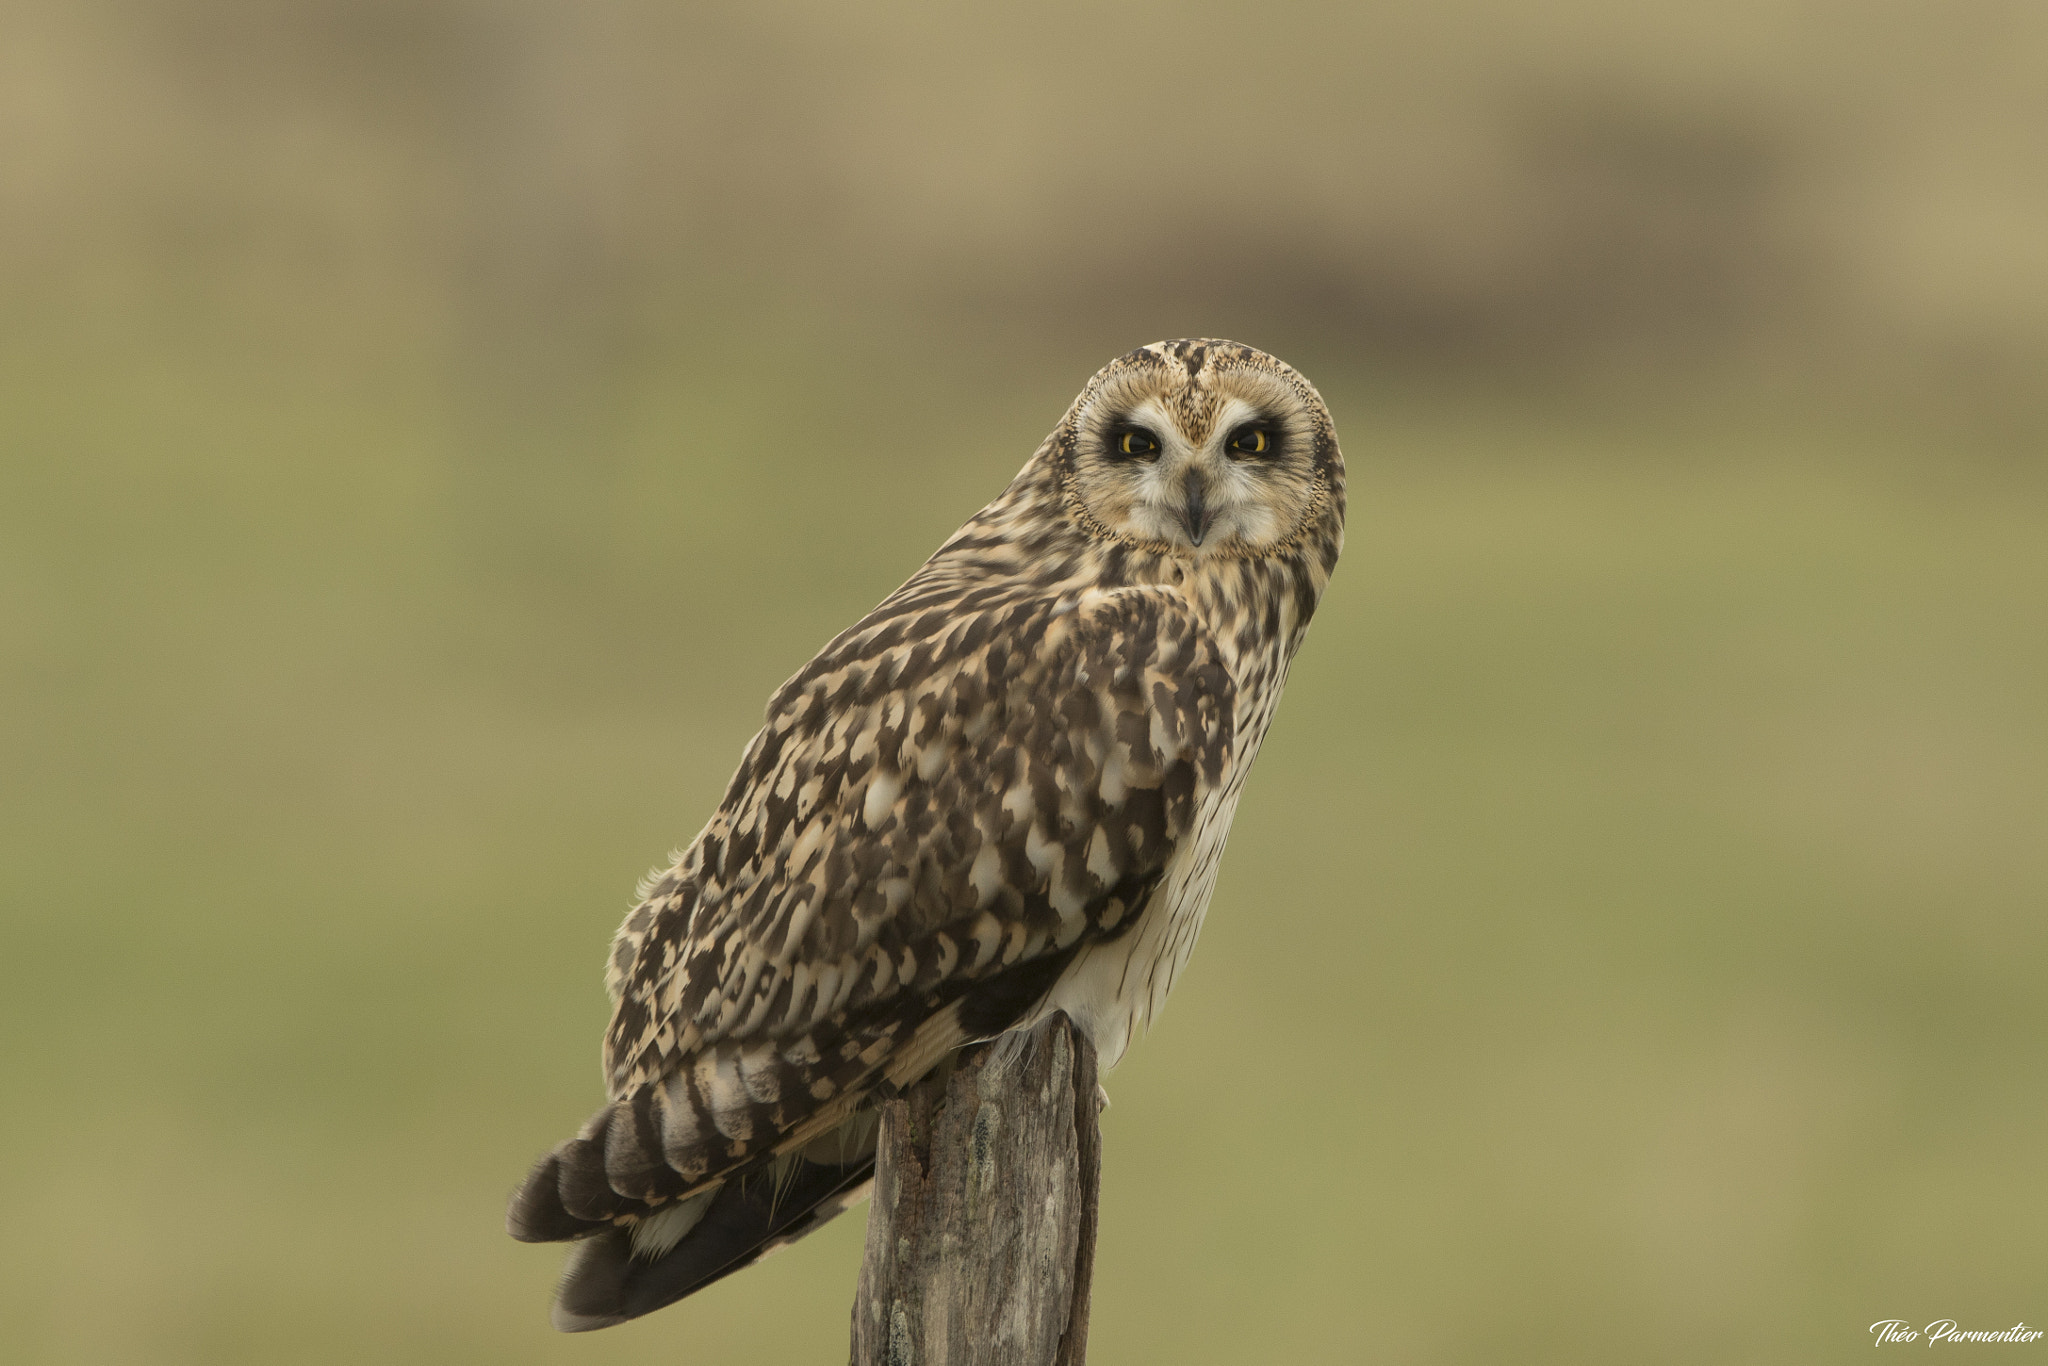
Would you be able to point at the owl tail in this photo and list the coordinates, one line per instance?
(642, 1257)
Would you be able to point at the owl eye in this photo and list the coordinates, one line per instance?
(1251, 441)
(1134, 443)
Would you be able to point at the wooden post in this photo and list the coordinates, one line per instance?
(981, 1239)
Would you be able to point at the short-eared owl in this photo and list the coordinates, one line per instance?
(1002, 793)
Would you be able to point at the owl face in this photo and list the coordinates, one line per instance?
(1211, 456)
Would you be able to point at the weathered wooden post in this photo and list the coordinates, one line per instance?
(981, 1239)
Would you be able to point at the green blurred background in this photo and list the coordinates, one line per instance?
(429, 429)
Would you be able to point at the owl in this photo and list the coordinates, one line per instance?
(1002, 793)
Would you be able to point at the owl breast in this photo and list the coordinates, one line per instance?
(1114, 991)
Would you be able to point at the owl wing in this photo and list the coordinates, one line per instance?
(943, 809)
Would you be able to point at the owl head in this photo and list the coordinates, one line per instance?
(1200, 448)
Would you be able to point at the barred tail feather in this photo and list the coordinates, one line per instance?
(637, 1252)
(569, 1193)
(625, 1271)
(538, 1214)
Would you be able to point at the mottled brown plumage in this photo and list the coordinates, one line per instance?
(1001, 793)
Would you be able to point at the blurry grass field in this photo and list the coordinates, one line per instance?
(1629, 950)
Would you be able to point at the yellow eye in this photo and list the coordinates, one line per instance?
(1250, 441)
(1137, 442)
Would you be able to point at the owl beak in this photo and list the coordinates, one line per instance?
(1195, 515)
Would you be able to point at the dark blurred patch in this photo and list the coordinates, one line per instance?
(1611, 233)
(1648, 229)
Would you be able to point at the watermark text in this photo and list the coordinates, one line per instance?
(1947, 1330)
